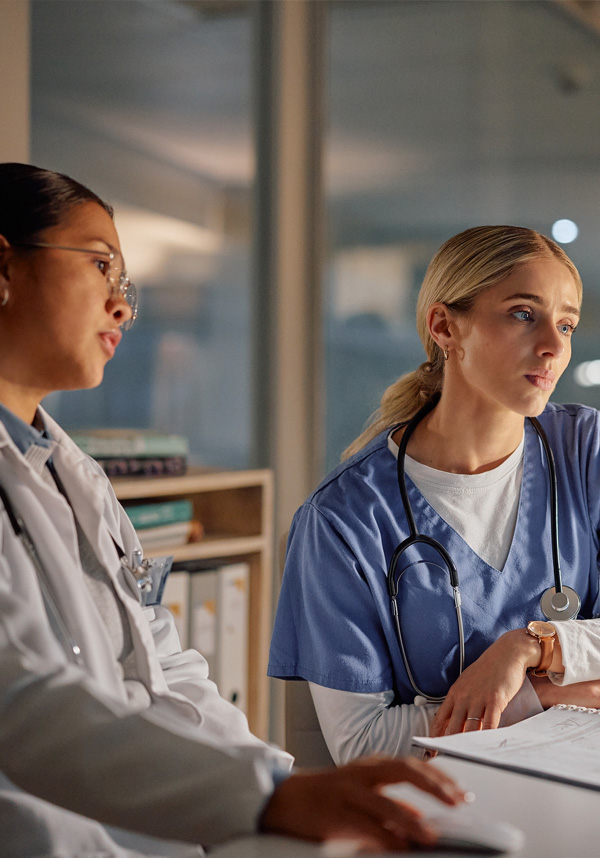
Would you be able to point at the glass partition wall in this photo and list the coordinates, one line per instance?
(440, 115)
(445, 115)
(149, 103)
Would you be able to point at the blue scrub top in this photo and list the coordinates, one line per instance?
(334, 625)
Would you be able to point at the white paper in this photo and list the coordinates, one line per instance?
(562, 743)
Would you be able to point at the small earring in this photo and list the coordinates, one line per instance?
(445, 352)
(5, 295)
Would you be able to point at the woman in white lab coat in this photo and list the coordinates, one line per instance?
(112, 740)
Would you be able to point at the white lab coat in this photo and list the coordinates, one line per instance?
(186, 768)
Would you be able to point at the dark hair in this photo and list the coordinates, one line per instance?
(33, 199)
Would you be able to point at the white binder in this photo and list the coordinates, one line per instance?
(177, 600)
(232, 633)
(203, 617)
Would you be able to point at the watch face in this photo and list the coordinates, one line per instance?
(541, 629)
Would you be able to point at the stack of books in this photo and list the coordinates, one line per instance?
(164, 524)
(134, 452)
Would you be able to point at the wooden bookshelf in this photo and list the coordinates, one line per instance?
(236, 511)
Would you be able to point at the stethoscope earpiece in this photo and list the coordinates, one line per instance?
(560, 606)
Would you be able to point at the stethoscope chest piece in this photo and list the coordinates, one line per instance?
(560, 606)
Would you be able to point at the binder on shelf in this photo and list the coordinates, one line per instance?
(232, 633)
(203, 618)
(176, 598)
(218, 624)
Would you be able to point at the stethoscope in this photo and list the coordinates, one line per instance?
(139, 568)
(557, 603)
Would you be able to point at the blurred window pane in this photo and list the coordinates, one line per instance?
(148, 103)
(445, 115)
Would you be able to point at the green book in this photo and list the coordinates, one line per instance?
(161, 512)
(107, 443)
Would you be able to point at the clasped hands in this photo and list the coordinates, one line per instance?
(482, 692)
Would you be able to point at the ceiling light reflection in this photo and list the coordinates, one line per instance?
(564, 231)
(587, 374)
(153, 242)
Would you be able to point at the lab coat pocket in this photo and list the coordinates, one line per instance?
(146, 580)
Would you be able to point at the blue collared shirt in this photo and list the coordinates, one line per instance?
(22, 433)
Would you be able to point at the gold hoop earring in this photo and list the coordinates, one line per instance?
(445, 352)
(5, 295)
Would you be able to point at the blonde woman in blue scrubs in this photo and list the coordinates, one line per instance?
(496, 314)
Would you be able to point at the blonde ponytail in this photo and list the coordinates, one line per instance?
(401, 400)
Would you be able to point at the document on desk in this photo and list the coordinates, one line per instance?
(562, 743)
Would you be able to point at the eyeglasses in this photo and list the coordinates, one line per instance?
(117, 281)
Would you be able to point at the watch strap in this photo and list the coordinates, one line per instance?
(546, 643)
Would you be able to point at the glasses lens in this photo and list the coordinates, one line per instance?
(131, 296)
(119, 285)
(116, 278)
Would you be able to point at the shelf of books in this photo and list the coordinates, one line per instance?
(218, 527)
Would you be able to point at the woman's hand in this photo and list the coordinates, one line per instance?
(482, 692)
(577, 694)
(347, 804)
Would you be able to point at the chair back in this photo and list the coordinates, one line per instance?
(303, 736)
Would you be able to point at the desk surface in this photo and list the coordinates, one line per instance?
(559, 821)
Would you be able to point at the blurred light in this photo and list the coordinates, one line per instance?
(152, 243)
(565, 231)
(587, 374)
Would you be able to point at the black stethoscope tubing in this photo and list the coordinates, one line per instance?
(558, 603)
